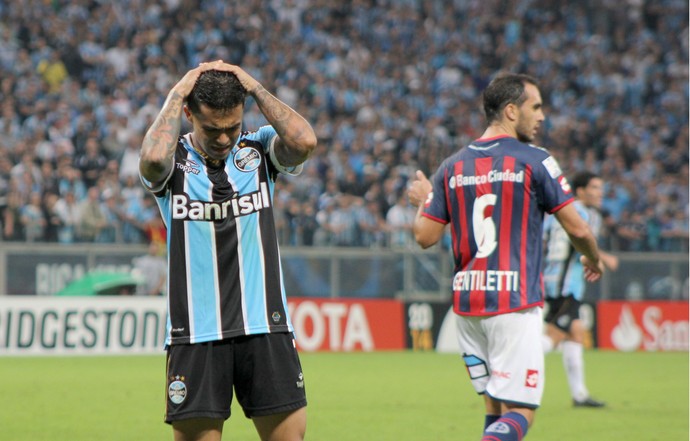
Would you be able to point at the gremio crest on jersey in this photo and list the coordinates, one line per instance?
(247, 159)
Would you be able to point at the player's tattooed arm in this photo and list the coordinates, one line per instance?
(160, 141)
(296, 138)
(158, 146)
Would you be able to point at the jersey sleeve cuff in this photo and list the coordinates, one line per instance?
(292, 171)
(157, 187)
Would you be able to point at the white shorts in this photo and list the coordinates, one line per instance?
(504, 356)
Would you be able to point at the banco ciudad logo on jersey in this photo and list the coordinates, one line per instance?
(246, 159)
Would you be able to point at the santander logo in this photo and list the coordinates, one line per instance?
(626, 336)
(648, 326)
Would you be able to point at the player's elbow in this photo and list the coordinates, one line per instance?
(424, 239)
(427, 232)
(580, 232)
(154, 169)
(305, 143)
(310, 142)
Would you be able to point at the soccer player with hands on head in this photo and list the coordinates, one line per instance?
(228, 328)
(494, 193)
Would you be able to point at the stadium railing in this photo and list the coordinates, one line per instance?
(403, 273)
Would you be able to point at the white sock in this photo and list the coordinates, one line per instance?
(546, 343)
(574, 364)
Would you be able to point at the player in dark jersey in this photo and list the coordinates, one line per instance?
(228, 324)
(494, 194)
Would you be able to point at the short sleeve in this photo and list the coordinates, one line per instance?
(292, 171)
(555, 188)
(435, 206)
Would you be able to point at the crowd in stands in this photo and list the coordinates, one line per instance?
(390, 86)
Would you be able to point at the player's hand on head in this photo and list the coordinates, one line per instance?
(186, 84)
(247, 81)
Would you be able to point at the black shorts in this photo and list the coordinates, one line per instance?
(263, 369)
(562, 312)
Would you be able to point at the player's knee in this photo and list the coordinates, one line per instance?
(289, 426)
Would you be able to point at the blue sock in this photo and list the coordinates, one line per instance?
(510, 427)
(490, 419)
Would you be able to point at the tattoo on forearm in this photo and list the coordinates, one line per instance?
(163, 135)
(290, 126)
(165, 130)
(274, 110)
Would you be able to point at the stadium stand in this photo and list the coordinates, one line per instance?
(390, 86)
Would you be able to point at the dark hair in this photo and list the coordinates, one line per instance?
(582, 179)
(219, 90)
(504, 89)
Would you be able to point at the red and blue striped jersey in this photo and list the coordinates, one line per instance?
(494, 194)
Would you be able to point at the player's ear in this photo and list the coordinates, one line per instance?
(187, 113)
(510, 111)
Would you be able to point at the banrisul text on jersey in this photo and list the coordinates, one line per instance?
(184, 208)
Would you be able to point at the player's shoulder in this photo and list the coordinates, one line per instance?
(249, 134)
(262, 132)
(535, 151)
(541, 156)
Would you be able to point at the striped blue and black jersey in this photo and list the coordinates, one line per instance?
(494, 194)
(225, 277)
(563, 271)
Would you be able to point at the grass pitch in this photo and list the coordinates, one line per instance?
(396, 396)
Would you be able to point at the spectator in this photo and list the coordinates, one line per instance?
(12, 227)
(69, 179)
(53, 71)
(304, 224)
(152, 268)
(91, 163)
(109, 180)
(342, 222)
(400, 218)
(52, 220)
(67, 209)
(92, 220)
(371, 225)
(632, 231)
(27, 166)
(390, 109)
(129, 159)
(136, 216)
(32, 220)
(674, 232)
(112, 211)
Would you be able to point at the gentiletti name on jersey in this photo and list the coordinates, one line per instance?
(186, 209)
(492, 176)
(489, 280)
